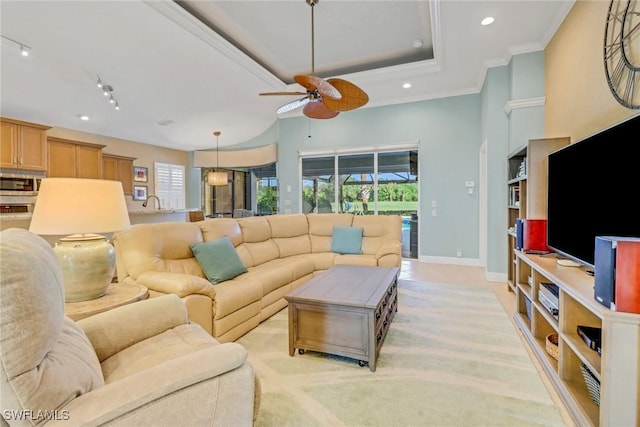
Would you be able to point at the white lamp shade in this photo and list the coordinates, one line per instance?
(79, 206)
(217, 178)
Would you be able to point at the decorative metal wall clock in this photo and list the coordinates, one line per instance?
(622, 51)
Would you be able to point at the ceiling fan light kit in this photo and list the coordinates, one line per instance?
(323, 99)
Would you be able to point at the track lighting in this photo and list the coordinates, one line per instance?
(107, 90)
(24, 49)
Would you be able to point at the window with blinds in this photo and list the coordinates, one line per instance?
(170, 185)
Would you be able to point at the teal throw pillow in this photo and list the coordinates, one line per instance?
(218, 259)
(346, 240)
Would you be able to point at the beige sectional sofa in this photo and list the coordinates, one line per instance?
(280, 253)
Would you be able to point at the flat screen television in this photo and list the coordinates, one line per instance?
(594, 190)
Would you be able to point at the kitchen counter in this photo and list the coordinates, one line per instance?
(159, 215)
(160, 211)
(22, 220)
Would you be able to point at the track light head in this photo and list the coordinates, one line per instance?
(107, 91)
(24, 49)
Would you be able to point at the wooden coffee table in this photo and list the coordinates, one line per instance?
(347, 311)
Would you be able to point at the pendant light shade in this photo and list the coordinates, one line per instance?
(217, 178)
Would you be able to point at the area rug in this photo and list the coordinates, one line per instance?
(451, 358)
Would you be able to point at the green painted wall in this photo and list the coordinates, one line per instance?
(448, 133)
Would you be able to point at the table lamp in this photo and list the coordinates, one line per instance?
(81, 207)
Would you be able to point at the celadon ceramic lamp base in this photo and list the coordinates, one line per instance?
(88, 264)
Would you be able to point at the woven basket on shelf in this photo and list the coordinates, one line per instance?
(552, 345)
(593, 385)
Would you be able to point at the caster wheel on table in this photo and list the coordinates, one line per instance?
(300, 351)
(362, 363)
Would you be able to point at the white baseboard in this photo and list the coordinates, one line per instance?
(495, 277)
(470, 262)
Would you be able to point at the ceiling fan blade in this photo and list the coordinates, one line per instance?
(352, 96)
(293, 105)
(318, 110)
(326, 90)
(281, 93)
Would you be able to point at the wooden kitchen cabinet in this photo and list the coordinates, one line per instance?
(74, 159)
(118, 168)
(23, 145)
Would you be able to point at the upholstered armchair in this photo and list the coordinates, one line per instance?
(140, 364)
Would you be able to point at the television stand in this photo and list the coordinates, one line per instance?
(619, 378)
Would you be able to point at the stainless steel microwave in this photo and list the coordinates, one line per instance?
(19, 184)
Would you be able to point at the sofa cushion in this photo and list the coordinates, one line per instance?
(321, 229)
(218, 259)
(290, 233)
(161, 246)
(168, 345)
(215, 228)
(346, 240)
(377, 230)
(257, 242)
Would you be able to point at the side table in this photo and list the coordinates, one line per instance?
(117, 294)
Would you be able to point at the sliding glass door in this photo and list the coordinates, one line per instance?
(368, 183)
(318, 189)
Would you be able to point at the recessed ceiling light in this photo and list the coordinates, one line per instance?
(84, 117)
(487, 21)
(406, 85)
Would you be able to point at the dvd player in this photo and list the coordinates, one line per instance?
(548, 304)
(548, 297)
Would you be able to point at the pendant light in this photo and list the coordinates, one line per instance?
(217, 178)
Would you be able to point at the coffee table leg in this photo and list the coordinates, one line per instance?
(291, 331)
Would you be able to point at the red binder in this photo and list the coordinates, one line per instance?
(534, 236)
(627, 293)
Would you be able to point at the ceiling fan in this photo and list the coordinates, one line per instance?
(323, 99)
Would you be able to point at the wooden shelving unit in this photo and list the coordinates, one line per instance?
(617, 369)
(527, 189)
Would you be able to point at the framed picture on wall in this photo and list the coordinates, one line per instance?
(140, 174)
(140, 192)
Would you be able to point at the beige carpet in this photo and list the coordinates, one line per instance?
(451, 358)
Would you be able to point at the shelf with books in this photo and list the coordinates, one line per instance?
(527, 189)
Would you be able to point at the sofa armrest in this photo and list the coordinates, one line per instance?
(181, 284)
(114, 330)
(159, 385)
(392, 247)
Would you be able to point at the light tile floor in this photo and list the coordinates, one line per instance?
(457, 274)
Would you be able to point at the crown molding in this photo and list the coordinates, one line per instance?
(523, 103)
